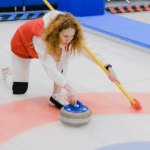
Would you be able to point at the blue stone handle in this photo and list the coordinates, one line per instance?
(78, 108)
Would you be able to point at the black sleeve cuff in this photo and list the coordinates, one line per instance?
(108, 66)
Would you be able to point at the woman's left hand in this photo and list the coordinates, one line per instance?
(112, 76)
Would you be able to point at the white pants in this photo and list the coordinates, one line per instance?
(20, 68)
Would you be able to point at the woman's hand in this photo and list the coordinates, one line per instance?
(112, 76)
(72, 95)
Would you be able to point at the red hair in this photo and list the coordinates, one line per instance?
(51, 35)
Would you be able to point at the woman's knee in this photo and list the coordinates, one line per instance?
(19, 87)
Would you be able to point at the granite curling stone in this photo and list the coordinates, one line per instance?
(77, 115)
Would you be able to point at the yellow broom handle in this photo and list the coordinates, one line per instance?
(126, 94)
(98, 62)
(104, 69)
(48, 5)
(93, 56)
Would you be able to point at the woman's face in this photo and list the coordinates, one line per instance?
(67, 35)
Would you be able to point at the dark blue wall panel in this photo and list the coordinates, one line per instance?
(38, 2)
(82, 7)
(20, 3)
(11, 3)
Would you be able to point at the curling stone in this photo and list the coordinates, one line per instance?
(77, 115)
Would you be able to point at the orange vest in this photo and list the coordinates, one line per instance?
(21, 43)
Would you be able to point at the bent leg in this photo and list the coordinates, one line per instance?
(20, 74)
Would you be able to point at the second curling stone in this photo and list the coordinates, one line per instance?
(75, 115)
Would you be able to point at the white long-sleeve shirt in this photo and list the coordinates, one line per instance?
(50, 65)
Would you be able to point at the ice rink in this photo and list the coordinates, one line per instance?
(28, 122)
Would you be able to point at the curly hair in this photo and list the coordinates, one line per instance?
(51, 35)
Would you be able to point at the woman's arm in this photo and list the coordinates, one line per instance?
(50, 67)
(112, 76)
(48, 62)
(96, 53)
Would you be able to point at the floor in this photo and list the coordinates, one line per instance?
(29, 123)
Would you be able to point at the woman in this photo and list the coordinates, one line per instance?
(52, 39)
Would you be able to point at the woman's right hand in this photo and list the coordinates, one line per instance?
(72, 94)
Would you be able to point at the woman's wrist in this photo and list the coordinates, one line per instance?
(109, 69)
(67, 86)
